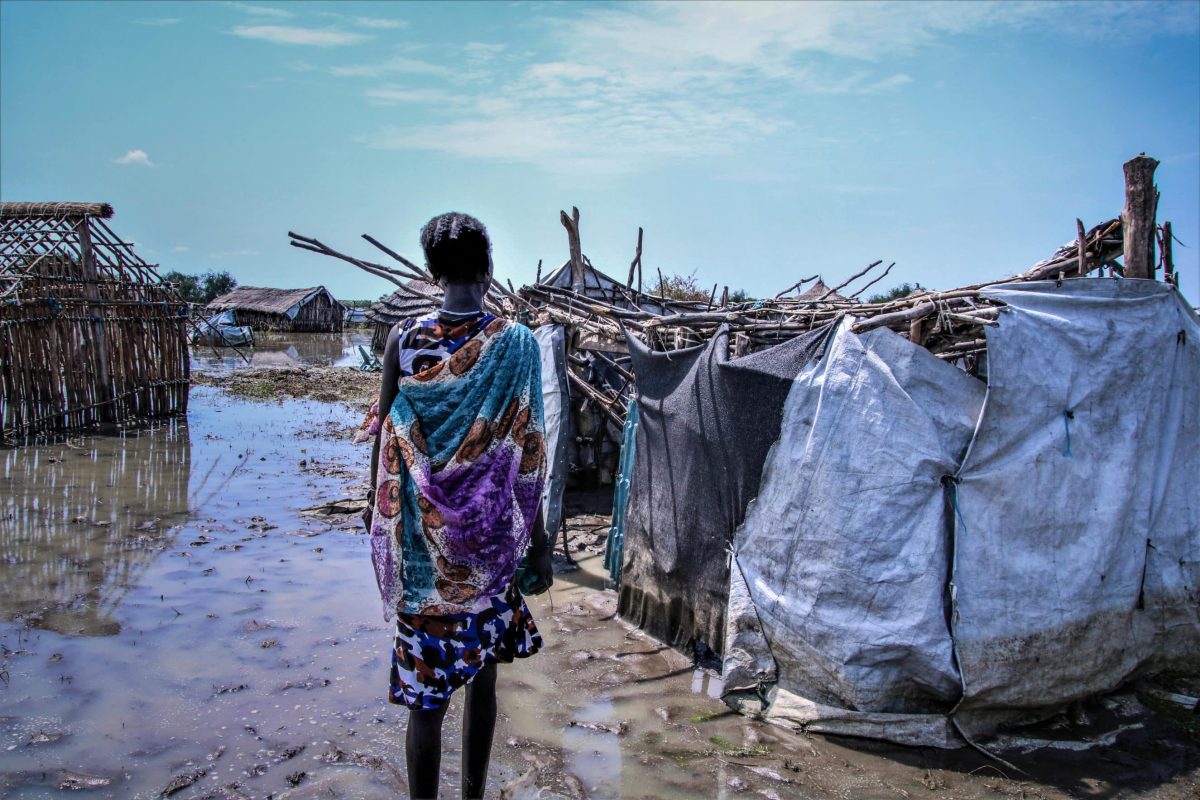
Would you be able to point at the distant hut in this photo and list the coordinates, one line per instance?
(820, 292)
(311, 310)
(416, 299)
(89, 332)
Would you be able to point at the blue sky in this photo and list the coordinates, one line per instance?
(756, 144)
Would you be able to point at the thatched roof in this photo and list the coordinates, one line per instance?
(818, 291)
(403, 304)
(55, 210)
(264, 300)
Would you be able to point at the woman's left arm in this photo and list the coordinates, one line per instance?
(387, 393)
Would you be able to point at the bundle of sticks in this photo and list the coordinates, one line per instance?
(949, 323)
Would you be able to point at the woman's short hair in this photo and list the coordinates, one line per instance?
(457, 248)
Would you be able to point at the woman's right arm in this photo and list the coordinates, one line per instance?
(387, 392)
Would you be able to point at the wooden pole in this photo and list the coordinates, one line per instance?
(1082, 239)
(571, 223)
(1168, 264)
(1137, 219)
(636, 263)
(98, 349)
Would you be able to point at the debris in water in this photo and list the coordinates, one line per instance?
(297, 778)
(74, 781)
(291, 752)
(620, 729)
(42, 737)
(181, 782)
(350, 505)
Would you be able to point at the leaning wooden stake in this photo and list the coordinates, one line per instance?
(1137, 220)
(571, 223)
(636, 263)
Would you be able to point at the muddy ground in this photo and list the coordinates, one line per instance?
(176, 623)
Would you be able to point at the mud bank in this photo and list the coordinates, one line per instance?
(327, 384)
(174, 622)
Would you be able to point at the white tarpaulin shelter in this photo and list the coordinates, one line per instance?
(927, 555)
(556, 402)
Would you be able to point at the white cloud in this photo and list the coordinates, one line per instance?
(482, 51)
(300, 66)
(379, 22)
(391, 95)
(260, 11)
(618, 88)
(399, 65)
(156, 23)
(138, 157)
(180, 248)
(284, 34)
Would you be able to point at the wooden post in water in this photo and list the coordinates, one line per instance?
(1137, 219)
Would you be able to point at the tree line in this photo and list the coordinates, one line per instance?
(201, 289)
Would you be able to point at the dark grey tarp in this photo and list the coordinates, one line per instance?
(706, 424)
(557, 409)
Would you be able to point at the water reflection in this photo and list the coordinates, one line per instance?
(707, 683)
(80, 523)
(287, 350)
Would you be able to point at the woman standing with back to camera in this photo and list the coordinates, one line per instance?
(458, 469)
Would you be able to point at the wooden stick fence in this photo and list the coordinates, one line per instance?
(89, 333)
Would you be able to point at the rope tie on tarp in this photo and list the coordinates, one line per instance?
(1068, 415)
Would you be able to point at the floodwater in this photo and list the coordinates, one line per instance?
(172, 621)
(283, 350)
(170, 612)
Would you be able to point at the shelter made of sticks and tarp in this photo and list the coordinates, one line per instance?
(89, 332)
(919, 554)
(959, 510)
(311, 310)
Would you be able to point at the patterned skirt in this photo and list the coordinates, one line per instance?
(434, 656)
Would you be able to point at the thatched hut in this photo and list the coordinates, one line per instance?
(820, 293)
(414, 300)
(89, 332)
(312, 310)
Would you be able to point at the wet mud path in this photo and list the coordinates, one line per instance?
(172, 621)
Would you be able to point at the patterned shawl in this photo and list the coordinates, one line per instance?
(461, 468)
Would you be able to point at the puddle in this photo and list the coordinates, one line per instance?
(287, 350)
(170, 618)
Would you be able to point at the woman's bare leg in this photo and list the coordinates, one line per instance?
(479, 724)
(423, 751)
